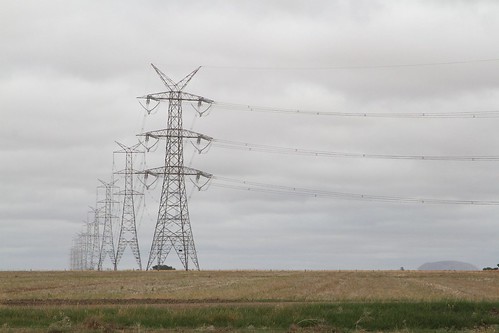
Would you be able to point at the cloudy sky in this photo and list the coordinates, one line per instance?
(70, 72)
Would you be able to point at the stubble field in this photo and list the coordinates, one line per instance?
(316, 301)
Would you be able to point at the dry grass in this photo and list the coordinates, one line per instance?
(324, 286)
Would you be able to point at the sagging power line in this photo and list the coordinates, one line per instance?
(227, 144)
(203, 143)
(244, 185)
(485, 114)
(354, 67)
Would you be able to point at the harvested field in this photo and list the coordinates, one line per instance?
(318, 301)
(302, 286)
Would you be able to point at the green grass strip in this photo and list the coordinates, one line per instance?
(453, 316)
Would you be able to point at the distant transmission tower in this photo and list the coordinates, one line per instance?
(78, 253)
(94, 236)
(128, 229)
(107, 243)
(173, 227)
(87, 247)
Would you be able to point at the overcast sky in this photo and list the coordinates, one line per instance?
(70, 72)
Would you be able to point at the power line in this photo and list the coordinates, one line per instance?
(321, 153)
(487, 114)
(243, 185)
(353, 67)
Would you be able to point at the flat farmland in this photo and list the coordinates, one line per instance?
(246, 286)
(249, 300)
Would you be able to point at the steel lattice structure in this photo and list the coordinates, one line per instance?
(107, 242)
(128, 229)
(94, 238)
(77, 255)
(84, 245)
(173, 227)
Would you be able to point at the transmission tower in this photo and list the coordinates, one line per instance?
(87, 245)
(94, 237)
(78, 253)
(107, 243)
(74, 255)
(128, 229)
(173, 227)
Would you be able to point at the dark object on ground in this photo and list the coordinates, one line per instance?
(163, 268)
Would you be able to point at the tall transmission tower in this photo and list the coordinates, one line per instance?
(107, 243)
(128, 228)
(173, 227)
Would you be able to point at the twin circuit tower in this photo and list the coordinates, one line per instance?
(173, 228)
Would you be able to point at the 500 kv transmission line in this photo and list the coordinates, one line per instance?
(173, 227)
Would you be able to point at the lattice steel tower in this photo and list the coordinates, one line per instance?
(95, 237)
(107, 242)
(128, 229)
(173, 227)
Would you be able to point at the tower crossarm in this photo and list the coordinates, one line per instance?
(183, 133)
(175, 95)
(125, 171)
(175, 170)
(128, 192)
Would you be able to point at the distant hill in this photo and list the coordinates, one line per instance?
(447, 266)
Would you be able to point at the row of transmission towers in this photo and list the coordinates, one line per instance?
(173, 230)
(96, 243)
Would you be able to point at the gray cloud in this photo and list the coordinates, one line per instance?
(70, 72)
